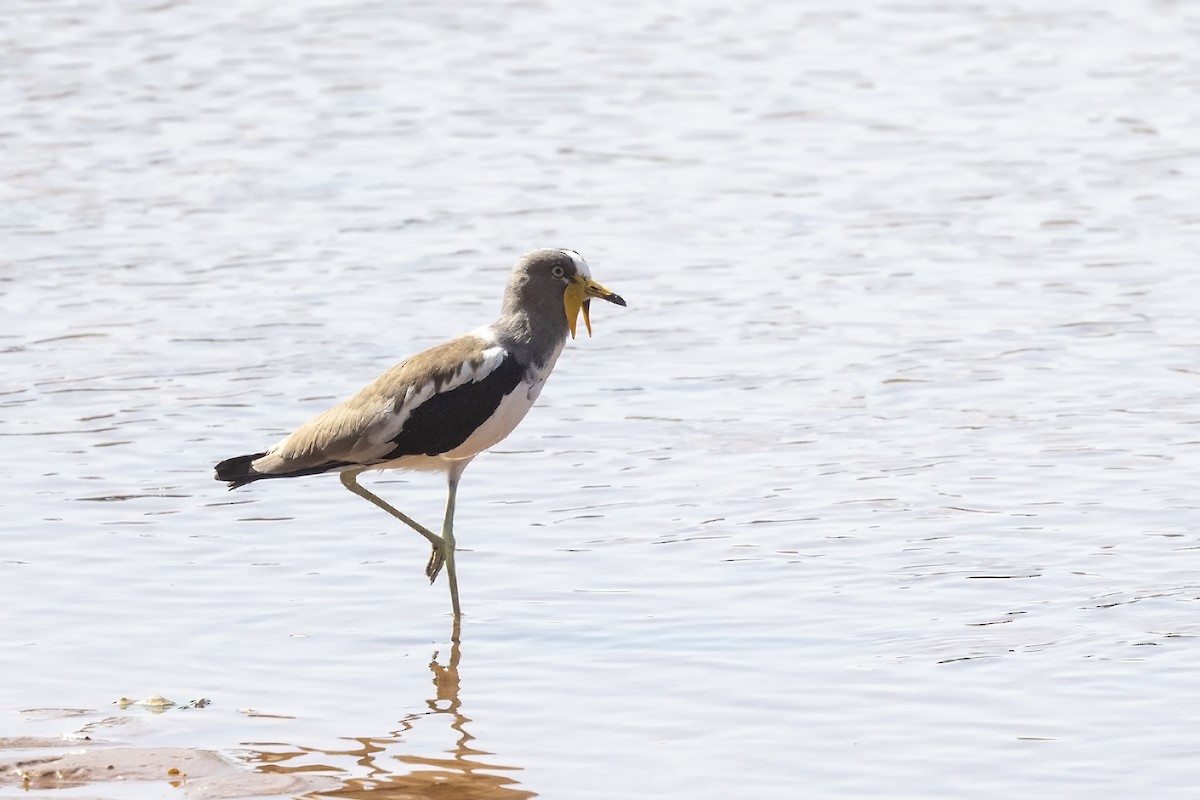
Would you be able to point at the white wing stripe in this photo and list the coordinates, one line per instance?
(391, 416)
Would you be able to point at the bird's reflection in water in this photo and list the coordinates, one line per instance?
(462, 774)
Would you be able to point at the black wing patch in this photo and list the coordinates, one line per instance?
(447, 419)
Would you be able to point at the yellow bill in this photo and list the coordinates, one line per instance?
(578, 297)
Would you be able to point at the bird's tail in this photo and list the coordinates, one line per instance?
(238, 472)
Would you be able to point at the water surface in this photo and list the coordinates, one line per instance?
(882, 486)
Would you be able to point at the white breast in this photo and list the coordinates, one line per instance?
(512, 409)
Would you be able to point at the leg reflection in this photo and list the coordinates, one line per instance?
(384, 767)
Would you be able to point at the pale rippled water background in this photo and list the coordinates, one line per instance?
(884, 485)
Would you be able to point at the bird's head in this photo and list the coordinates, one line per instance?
(563, 273)
(580, 289)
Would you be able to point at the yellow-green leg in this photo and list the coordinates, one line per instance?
(443, 546)
(448, 533)
(436, 558)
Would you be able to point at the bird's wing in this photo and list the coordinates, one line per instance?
(394, 413)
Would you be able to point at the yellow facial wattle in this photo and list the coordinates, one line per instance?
(573, 303)
(578, 296)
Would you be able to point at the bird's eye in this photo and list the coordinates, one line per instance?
(557, 272)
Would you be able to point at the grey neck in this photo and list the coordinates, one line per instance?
(533, 340)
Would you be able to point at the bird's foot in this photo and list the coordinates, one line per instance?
(437, 558)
